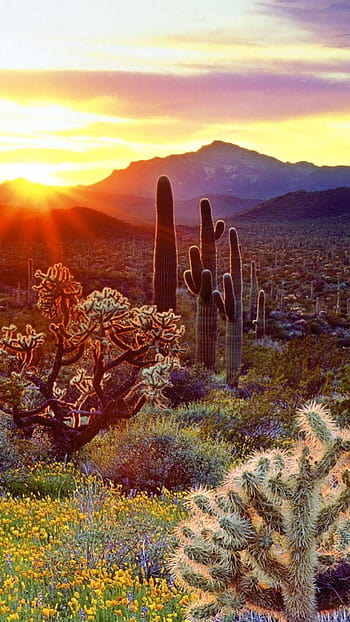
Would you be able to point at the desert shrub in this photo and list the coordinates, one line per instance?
(302, 365)
(260, 355)
(247, 424)
(135, 531)
(309, 365)
(152, 453)
(7, 453)
(18, 451)
(55, 481)
(189, 384)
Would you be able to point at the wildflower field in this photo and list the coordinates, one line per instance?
(89, 553)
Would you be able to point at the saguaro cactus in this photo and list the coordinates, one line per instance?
(259, 540)
(237, 281)
(199, 282)
(259, 322)
(30, 283)
(165, 249)
(227, 307)
(204, 258)
(253, 294)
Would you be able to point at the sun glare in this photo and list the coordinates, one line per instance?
(34, 187)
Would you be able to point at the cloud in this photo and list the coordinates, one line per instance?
(206, 97)
(326, 19)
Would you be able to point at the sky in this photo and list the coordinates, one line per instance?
(86, 86)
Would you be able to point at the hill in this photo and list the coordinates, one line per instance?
(59, 224)
(296, 206)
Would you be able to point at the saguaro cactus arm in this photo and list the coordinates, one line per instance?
(192, 277)
(227, 303)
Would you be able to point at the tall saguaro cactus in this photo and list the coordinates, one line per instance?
(30, 283)
(237, 282)
(204, 258)
(165, 249)
(253, 294)
(199, 283)
(260, 539)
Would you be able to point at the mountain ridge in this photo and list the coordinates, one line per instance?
(226, 169)
(234, 178)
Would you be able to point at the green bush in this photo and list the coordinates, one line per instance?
(152, 453)
(41, 480)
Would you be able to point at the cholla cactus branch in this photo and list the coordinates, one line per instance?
(58, 292)
(22, 345)
(258, 540)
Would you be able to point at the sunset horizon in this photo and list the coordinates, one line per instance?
(86, 90)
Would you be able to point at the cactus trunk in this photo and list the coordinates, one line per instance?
(300, 599)
(237, 281)
(206, 332)
(260, 316)
(165, 249)
(253, 294)
(233, 360)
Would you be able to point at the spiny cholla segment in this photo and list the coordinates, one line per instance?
(21, 345)
(155, 379)
(58, 292)
(258, 541)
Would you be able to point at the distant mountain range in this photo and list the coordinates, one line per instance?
(298, 206)
(88, 224)
(233, 178)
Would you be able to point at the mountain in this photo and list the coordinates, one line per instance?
(235, 179)
(223, 169)
(297, 206)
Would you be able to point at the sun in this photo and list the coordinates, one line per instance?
(38, 174)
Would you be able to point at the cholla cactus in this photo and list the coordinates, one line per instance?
(155, 379)
(101, 333)
(257, 542)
